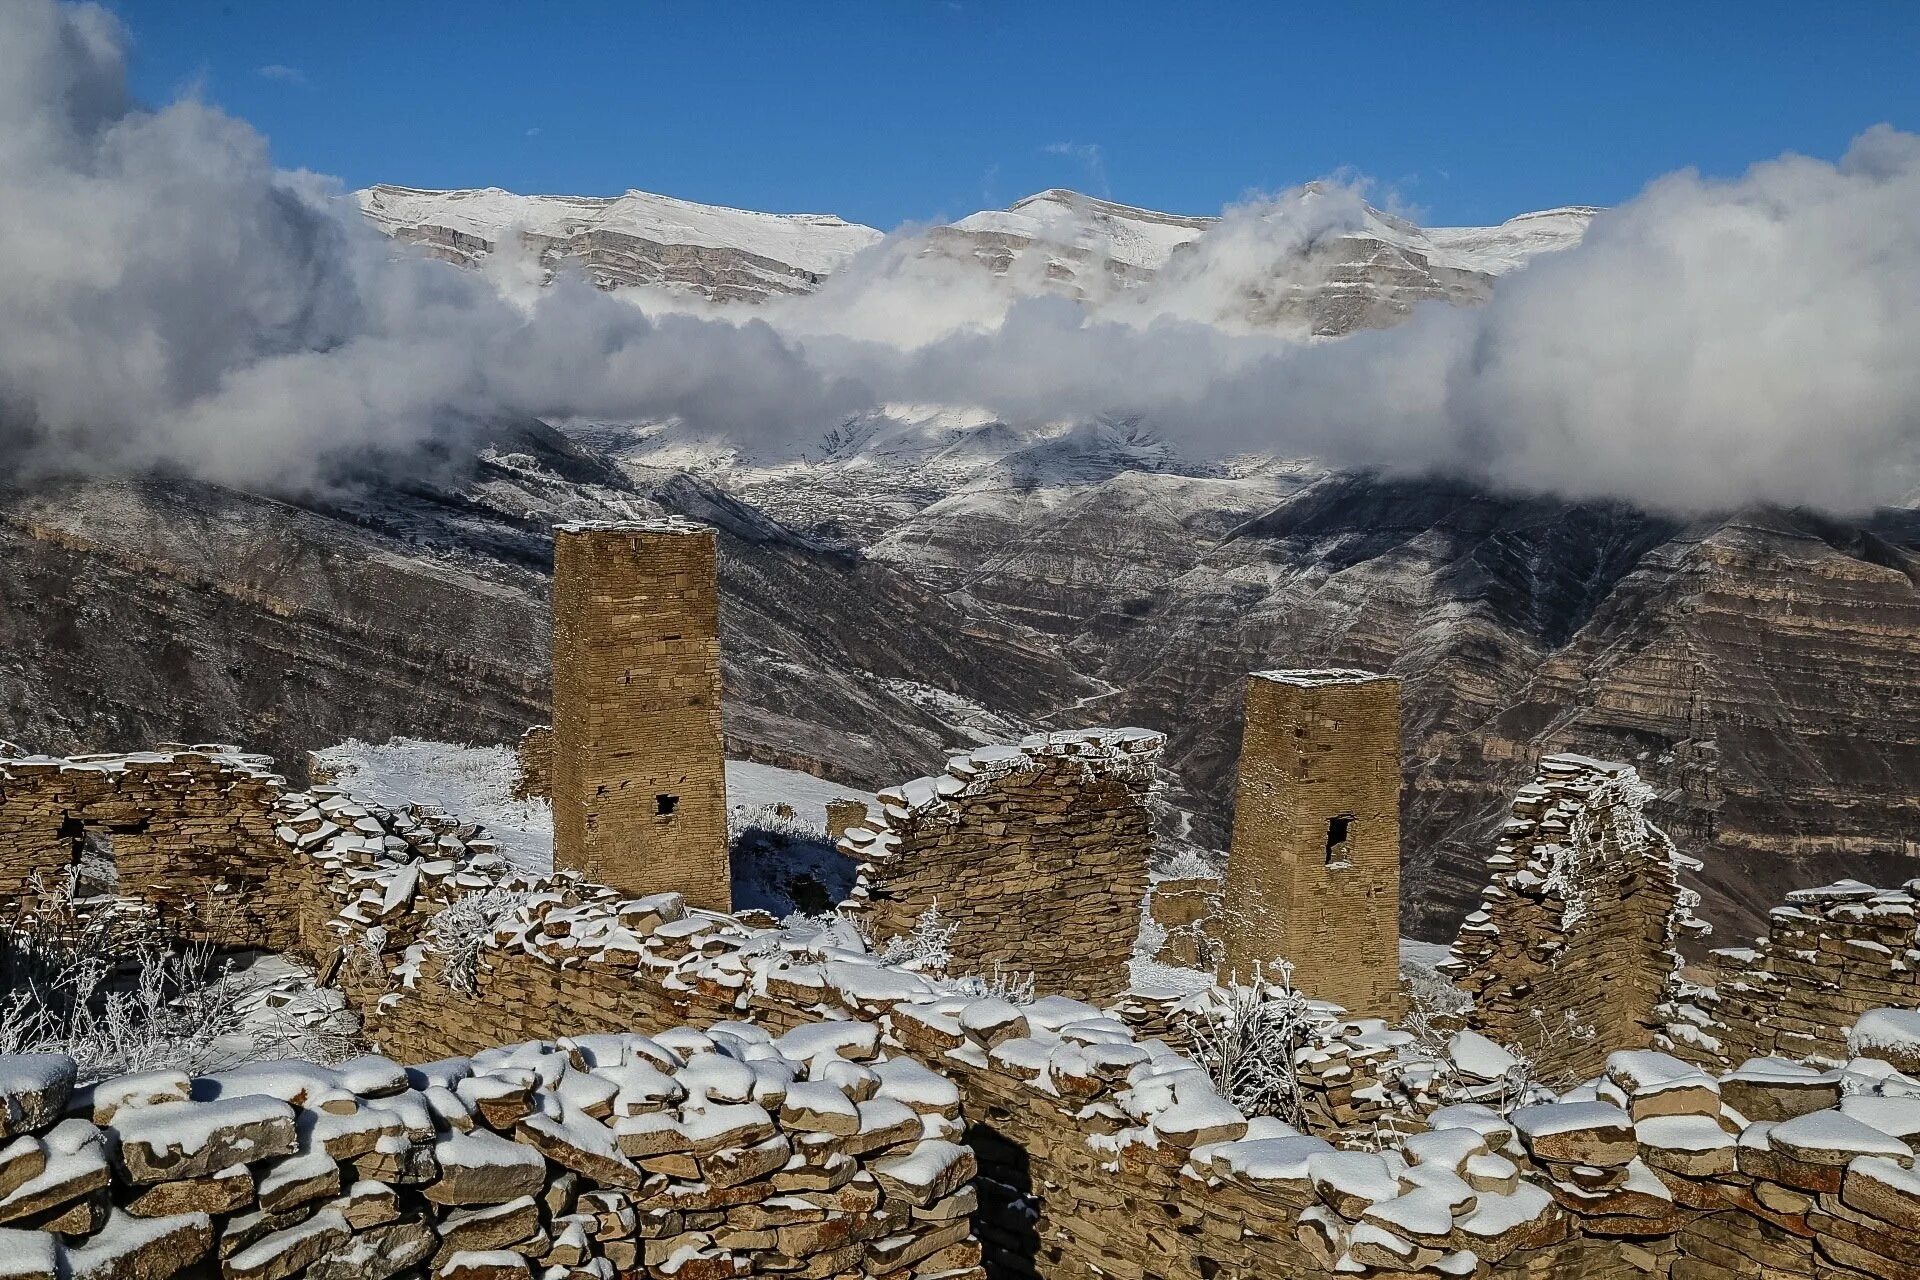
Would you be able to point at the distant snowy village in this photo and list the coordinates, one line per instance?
(604, 1003)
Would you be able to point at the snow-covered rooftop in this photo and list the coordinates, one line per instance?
(1322, 676)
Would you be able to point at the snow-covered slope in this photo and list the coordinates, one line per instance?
(1316, 258)
(636, 238)
(1137, 238)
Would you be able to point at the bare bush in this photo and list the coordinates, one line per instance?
(462, 930)
(103, 982)
(928, 948)
(1246, 1035)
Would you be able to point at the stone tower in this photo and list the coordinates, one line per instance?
(639, 765)
(1314, 872)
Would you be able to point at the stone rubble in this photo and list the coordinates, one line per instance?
(678, 1154)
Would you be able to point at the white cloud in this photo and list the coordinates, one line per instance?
(167, 298)
(283, 74)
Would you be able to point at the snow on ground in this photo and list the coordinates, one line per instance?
(755, 786)
(1425, 955)
(782, 862)
(472, 783)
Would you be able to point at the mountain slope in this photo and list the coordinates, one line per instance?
(634, 239)
(1315, 260)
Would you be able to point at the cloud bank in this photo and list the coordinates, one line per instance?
(168, 299)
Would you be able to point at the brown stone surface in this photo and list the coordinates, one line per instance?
(190, 830)
(639, 771)
(1573, 950)
(1036, 855)
(534, 759)
(1314, 873)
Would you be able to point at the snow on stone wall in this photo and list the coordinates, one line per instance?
(1036, 853)
(714, 1153)
(1572, 951)
(1832, 955)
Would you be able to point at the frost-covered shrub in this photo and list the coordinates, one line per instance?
(101, 981)
(1246, 1035)
(928, 948)
(462, 930)
(996, 984)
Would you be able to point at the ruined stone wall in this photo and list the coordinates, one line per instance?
(1313, 876)
(1035, 854)
(843, 816)
(1101, 1154)
(1104, 1154)
(188, 830)
(1831, 954)
(639, 771)
(1572, 951)
(534, 756)
(695, 1155)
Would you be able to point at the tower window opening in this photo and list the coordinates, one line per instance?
(1339, 826)
(664, 805)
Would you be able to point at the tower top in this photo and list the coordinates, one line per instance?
(649, 524)
(1322, 676)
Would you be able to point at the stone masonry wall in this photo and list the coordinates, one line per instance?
(1104, 1155)
(1831, 954)
(1572, 952)
(638, 761)
(1099, 1153)
(190, 830)
(688, 1154)
(1313, 876)
(534, 756)
(1035, 854)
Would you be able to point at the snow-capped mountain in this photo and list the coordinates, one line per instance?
(1316, 260)
(924, 576)
(634, 239)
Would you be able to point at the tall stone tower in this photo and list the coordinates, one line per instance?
(639, 764)
(1314, 872)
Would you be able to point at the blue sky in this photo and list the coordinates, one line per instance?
(893, 110)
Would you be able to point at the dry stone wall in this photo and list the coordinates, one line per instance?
(1572, 952)
(189, 830)
(534, 755)
(1831, 955)
(1036, 855)
(691, 1154)
(1098, 1152)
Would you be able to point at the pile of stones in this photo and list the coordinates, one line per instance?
(690, 1154)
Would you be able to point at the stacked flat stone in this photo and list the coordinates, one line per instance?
(533, 776)
(1579, 922)
(1831, 954)
(1037, 853)
(688, 1154)
(192, 835)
